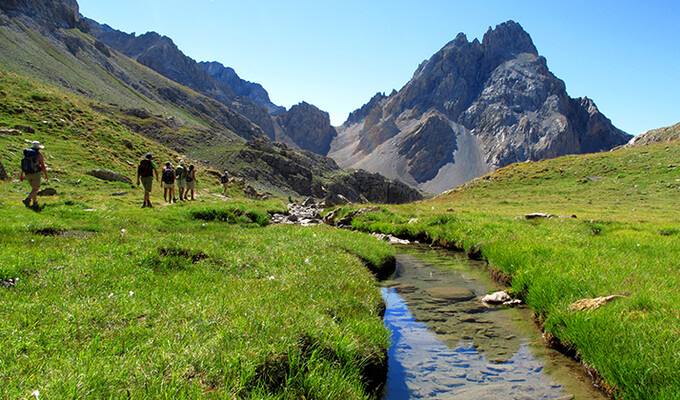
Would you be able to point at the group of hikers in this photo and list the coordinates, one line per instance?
(33, 166)
(185, 177)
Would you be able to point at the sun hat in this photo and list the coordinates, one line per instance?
(181, 162)
(149, 156)
(36, 145)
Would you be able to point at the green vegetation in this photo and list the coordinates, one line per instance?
(614, 232)
(193, 300)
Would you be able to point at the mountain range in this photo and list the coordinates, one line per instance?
(471, 108)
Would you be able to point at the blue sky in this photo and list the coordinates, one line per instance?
(625, 55)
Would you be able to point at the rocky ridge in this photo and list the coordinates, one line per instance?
(294, 171)
(665, 134)
(470, 109)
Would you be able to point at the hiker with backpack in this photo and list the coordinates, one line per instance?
(224, 180)
(181, 176)
(191, 182)
(168, 178)
(145, 172)
(32, 165)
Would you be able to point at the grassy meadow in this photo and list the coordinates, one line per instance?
(615, 230)
(199, 299)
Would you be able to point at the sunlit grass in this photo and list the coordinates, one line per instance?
(614, 231)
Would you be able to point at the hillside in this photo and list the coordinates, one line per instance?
(49, 42)
(607, 226)
(665, 134)
(471, 108)
(103, 299)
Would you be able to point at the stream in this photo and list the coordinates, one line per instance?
(446, 344)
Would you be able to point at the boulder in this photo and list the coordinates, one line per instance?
(108, 175)
(48, 192)
(496, 298)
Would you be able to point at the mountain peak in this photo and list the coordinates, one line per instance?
(508, 38)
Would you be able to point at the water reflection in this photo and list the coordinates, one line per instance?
(421, 366)
(447, 345)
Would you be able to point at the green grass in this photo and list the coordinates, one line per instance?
(615, 231)
(156, 303)
(200, 299)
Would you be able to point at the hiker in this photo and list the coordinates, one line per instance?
(32, 165)
(191, 182)
(168, 178)
(224, 179)
(145, 172)
(181, 176)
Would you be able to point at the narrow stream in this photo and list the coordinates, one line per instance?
(446, 344)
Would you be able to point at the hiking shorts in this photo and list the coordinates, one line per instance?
(33, 179)
(181, 183)
(147, 182)
(191, 185)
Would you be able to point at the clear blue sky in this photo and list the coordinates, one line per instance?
(623, 54)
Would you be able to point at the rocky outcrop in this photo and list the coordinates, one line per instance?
(471, 108)
(49, 13)
(308, 127)
(666, 134)
(240, 87)
(362, 186)
(305, 173)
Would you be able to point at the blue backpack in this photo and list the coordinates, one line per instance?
(30, 164)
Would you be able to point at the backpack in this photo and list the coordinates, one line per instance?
(224, 178)
(145, 168)
(168, 176)
(190, 176)
(180, 172)
(30, 164)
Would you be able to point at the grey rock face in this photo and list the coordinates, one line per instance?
(309, 127)
(308, 174)
(52, 13)
(362, 186)
(240, 87)
(471, 108)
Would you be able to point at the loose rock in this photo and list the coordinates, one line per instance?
(591, 304)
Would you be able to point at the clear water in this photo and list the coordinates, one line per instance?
(453, 347)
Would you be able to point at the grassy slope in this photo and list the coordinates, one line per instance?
(622, 241)
(114, 301)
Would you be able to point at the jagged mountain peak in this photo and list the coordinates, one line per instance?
(508, 38)
(471, 108)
